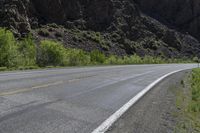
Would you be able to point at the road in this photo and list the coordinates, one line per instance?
(71, 100)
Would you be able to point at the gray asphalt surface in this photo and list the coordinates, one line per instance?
(71, 100)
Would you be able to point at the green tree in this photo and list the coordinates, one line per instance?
(9, 55)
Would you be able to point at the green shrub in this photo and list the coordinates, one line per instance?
(135, 59)
(115, 37)
(195, 59)
(9, 55)
(43, 32)
(53, 25)
(112, 60)
(148, 60)
(97, 57)
(51, 53)
(77, 57)
(27, 50)
(97, 37)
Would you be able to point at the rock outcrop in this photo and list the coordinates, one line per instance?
(183, 15)
(113, 26)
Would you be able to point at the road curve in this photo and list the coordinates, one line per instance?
(72, 100)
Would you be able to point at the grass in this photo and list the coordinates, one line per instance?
(3, 68)
(188, 103)
(195, 91)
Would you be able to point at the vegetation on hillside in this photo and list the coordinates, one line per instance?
(25, 54)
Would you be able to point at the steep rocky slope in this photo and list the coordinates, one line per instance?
(112, 26)
(183, 15)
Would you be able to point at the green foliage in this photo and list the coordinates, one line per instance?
(9, 54)
(196, 59)
(51, 53)
(27, 50)
(188, 104)
(97, 37)
(54, 54)
(24, 54)
(195, 101)
(153, 60)
(114, 60)
(77, 57)
(134, 59)
(53, 25)
(43, 32)
(97, 57)
(115, 37)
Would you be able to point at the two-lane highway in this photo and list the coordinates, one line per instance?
(71, 100)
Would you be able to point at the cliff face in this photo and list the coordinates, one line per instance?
(14, 15)
(113, 26)
(93, 14)
(184, 15)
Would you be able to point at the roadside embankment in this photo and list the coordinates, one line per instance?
(188, 104)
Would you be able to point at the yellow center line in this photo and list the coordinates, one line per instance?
(17, 91)
(29, 89)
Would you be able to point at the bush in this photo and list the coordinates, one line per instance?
(133, 59)
(9, 55)
(97, 57)
(51, 53)
(112, 60)
(77, 57)
(53, 25)
(195, 59)
(43, 32)
(27, 50)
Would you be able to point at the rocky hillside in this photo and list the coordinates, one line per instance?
(120, 27)
(183, 15)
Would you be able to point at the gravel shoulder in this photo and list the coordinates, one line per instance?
(155, 112)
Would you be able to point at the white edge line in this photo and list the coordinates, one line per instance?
(114, 117)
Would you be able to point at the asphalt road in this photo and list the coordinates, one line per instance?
(71, 100)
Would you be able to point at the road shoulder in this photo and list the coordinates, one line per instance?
(154, 113)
